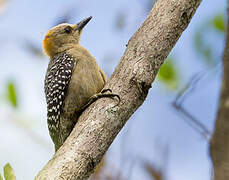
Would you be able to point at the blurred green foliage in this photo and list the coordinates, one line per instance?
(168, 74)
(218, 22)
(202, 39)
(11, 94)
(8, 173)
(202, 47)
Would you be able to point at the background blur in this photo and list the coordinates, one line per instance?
(166, 139)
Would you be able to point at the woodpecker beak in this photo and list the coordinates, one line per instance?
(81, 24)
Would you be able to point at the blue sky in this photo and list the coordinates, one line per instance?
(154, 123)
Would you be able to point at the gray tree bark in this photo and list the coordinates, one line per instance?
(219, 145)
(101, 122)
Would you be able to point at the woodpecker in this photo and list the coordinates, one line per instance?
(73, 79)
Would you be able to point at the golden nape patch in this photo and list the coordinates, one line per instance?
(47, 44)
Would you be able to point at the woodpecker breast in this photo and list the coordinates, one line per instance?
(57, 80)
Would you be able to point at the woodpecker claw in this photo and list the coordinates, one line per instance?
(106, 90)
(111, 95)
(102, 95)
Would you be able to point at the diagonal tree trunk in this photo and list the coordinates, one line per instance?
(101, 122)
(219, 146)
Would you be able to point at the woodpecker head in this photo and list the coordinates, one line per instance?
(63, 37)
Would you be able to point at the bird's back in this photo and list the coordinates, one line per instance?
(57, 79)
(69, 84)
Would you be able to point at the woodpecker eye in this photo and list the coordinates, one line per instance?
(68, 29)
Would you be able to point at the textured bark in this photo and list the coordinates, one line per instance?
(219, 146)
(101, 122)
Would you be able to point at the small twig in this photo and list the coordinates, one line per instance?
(183, 94)
(194, 122)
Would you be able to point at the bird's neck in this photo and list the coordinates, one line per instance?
(54, 50)
(78, 51)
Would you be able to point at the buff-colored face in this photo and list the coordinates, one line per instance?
(63, 37)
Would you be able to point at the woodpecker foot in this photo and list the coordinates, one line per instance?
(102, 95)
(106, 90)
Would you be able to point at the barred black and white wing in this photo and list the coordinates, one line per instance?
(57, 80)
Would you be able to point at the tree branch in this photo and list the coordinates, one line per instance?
(219, 146)
(101, 122)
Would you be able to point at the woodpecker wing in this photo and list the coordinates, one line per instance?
(57, 80)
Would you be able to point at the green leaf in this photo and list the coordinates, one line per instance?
(203, 48)
(8, 172)
(218, 22)
(1, 178)
(168, 74)
(11, 94)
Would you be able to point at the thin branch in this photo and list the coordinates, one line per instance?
(193, 121)
(182, 96)
(188, 117)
